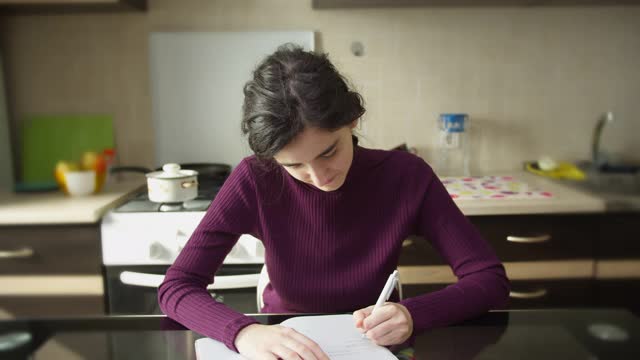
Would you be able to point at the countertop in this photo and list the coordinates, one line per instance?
(58, 208)
(550, 334)
(564, 199)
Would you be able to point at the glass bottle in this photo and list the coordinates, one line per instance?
(453, 145)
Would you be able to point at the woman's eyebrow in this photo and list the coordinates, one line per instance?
(328, 150)
(325, 152)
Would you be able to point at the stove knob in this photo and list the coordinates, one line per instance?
(158, 251)
(181, 239)
(238, 251)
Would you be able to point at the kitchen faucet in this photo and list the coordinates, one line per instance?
(598, 158)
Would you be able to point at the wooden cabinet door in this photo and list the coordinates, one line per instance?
(539, 237)
(50, 271)
(69, 249)
(520, 238)
(619, 293)
(550, 259)
(619, 236)
(618, 261)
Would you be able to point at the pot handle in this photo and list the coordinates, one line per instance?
(188, 184)
(118, 169)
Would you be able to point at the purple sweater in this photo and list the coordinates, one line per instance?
(333, 251)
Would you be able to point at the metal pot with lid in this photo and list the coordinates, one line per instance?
(172, 184)
(207, 172)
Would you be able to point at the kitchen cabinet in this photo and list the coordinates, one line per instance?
(620, 236)
(334, 4)
(517, 238)
(70, 249)
(69, 6)
(552, 260)
(618, 293)
(617, 270)
(549, 258)
(539, 237)
(50, 270)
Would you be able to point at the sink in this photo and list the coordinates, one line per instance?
(609, 180)
(616, 181)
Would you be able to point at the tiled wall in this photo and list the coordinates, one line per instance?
(534, 80)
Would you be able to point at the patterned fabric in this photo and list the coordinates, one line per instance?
(491, 187)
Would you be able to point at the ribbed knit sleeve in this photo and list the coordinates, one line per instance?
(482, 282)
(183, 295)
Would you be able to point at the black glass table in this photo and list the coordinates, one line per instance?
(519, 334)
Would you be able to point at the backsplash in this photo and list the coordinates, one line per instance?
(533, 80)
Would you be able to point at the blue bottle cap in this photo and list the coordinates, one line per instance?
(453, 123)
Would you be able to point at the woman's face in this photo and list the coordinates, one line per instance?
(319, 157)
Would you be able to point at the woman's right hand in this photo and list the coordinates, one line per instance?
(271, 342)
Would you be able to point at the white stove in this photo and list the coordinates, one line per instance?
(141, 239)
(156, 238)
(141, 232)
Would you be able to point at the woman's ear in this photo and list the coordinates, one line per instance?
(354, 123)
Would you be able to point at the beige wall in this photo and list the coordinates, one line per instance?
(534, 80)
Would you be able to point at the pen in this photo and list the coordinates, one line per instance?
(386, 292)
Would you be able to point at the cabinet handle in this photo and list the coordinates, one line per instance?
(17, 254)
(407, 243)
(535, 294)
(529, 239)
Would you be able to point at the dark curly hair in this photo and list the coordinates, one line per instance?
(293, 89)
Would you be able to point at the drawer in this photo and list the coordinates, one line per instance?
(539, 237)
(416, 251)
(619, 293)
(520, 238)
(532, 294)
(50, 250)
(619, 236)
(12, 307)
(551, 294)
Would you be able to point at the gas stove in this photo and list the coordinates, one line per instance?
(141, 239)
(140, 202)
(141, 232)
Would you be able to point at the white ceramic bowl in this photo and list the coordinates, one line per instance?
(80, 182)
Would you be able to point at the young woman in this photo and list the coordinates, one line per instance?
(332, 216)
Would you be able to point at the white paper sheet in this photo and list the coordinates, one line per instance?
(336, 335)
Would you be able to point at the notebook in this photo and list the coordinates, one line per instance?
(336, 335)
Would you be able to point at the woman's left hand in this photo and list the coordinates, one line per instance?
(390, 325)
